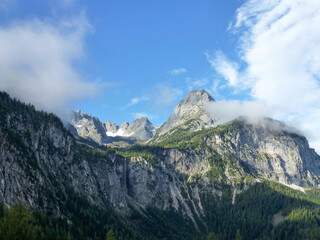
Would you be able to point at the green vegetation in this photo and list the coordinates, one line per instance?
(66, 214)
(79, 220)
(211, 236)
(119, 144)
(238, 235)
(110, 235)
(158, 224)
(84, 151)
(222, 165)
(148, 153)
(23, 113)
(18, 223)
(183, 139)
(251, 217)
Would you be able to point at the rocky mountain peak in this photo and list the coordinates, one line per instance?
(90, 127)
(142, 120)
(190, 113)
(196, 97)
(124, 126)
(110, 126)
(141, 129)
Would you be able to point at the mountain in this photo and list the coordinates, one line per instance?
(91, 128)
(141, 129)
(189, 113)
(260, 181)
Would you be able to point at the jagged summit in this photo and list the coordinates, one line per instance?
(196, 97)
(190, 113)
(90, 127)
(141, 129)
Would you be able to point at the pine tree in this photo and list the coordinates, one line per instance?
(211, 236)
(18, 223)
(238, 235)
(110, 235)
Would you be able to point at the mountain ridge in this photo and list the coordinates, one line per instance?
(91, 128)
(183, 186)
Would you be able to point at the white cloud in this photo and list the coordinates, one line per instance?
(177, 71)
(280, 47)
(224, 67)
(136, 100)
(225, 111)
(37, 62)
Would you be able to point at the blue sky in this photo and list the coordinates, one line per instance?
(120, 60)
(133, 46)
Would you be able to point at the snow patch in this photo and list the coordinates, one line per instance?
(119, 133)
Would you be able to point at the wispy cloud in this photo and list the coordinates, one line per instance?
(165, 96)
(142, 114)
(229, 70)
(280, 49)
(137, 100)
(37, 62)
(177, 71)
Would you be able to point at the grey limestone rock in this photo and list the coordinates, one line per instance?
(91, 128)
(190, 113)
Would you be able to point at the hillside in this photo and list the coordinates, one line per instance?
(224, 179)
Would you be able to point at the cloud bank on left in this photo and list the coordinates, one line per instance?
(37, 62)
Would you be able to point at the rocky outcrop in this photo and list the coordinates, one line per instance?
(189, 114)
(110, 126)
(91, 128)
(41, 164)
(141, 129)
(268, 152)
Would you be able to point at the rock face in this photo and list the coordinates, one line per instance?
(190, 113)
(110, 126)
(269, 152)
(141, 129)
(91, 128)
(41, 162)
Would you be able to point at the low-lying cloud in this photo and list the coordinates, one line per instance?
(278, 51)
(37, 63)
(226, 111)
